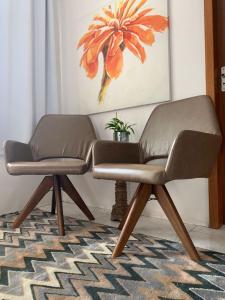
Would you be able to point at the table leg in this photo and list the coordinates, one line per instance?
(120, 206)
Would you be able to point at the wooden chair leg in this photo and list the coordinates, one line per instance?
(129, 207)
(74, 195)
(53, 203)
(58, 198)
(132, 218)
(172, 214)
(38, 194)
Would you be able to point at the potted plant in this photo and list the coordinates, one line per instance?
(121, 130)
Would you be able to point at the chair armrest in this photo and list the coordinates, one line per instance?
(192, 155)
(88, 158)
(115, 152)
(16, 151)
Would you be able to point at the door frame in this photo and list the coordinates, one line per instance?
(216, 192)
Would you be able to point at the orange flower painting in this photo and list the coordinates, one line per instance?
(131, 25)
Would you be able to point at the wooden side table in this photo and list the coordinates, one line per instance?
(120, 206)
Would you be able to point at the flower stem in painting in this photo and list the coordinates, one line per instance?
(105, 78)
(104, 86)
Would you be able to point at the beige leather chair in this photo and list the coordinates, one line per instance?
(181, 140)
(60, 145)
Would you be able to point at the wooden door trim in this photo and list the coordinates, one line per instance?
(216, 218)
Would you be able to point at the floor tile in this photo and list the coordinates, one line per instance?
(207, 238)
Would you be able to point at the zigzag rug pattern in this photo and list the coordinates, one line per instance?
(35, 263)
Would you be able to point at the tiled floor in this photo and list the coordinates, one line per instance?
(202, 237)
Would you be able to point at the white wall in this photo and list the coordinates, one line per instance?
(188, 79)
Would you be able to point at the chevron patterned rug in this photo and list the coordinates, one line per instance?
(37, 264)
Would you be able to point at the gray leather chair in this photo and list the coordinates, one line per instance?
(181, 140)
(60, 145)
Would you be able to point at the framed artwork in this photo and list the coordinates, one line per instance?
(122, 54)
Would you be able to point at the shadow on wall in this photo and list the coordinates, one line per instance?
(15, 190)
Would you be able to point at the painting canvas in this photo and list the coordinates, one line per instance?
(122, 54)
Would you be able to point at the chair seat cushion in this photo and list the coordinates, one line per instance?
(152, 172)
(50, 166)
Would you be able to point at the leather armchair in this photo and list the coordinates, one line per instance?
(181, 140)
(60, 145)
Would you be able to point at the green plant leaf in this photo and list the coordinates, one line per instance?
(118, 125)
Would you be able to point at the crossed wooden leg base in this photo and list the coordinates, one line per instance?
(58, 183)
(129, 221)
(136, 208)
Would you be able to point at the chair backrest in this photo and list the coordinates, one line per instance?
(68, 136)
(167, 120)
